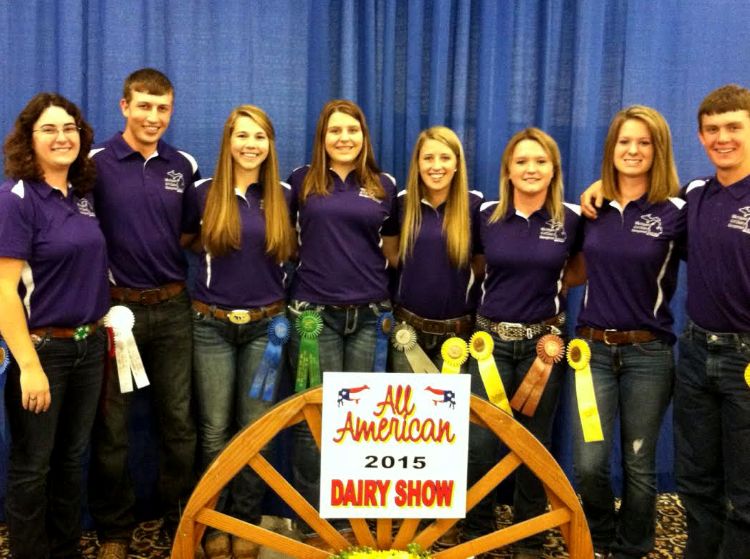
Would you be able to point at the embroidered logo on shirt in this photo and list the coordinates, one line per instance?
(174, 181)
(741, 221)
(648, 225)
(364, 194)
(553, 230)
(84, 208)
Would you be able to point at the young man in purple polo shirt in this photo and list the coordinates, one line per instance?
(139, 200)
(712, 395)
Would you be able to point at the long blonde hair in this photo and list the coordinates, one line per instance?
(554, 201)
(456, 224)
(220, 230)
(662, 177)
(318, 181)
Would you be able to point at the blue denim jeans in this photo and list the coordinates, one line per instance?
(633, 382)
(712, 442)
(513, 359)
(225, 356)
(346, 344)
(45, 474)
(163, 333)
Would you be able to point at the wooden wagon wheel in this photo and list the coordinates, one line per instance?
(245, 449)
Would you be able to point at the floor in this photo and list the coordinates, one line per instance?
(149, 542)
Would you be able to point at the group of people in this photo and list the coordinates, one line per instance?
(83, 229)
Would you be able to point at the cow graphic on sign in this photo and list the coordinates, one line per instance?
(447, 396)
(345, 394)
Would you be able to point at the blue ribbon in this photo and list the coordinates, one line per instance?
(4, 362)
(384, 329)
(266, 375)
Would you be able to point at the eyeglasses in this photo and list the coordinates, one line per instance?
(51, 131)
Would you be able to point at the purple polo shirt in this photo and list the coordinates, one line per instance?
(632, 259)
(525, 258)
(429, 285)
(140, 204)
(64, 277)
(240, 279)
(340, 235)
(718, 273)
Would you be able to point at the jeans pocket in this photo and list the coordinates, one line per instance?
(39, 341)
(198, 316)
(381, 307)
(296, 307)
(654, 348)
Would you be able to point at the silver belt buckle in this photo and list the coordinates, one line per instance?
(510, 331)
(239, 316)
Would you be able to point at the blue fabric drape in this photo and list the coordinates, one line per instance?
(486, 68)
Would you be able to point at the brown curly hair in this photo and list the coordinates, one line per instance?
(19, 157)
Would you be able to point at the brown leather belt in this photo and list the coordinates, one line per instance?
(617, 337)
(240, 316)
(457, 326)
(147, 296)
(79, 333)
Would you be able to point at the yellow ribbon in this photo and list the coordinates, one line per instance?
(480, 348)
(404, 339)
(579, 356)
(747, 375)
(455, 352)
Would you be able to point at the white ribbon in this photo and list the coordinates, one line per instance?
(121, 320)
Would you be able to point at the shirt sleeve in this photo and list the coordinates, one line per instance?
(478, 228)
(390, 225)
(295, 182)
(193, 202)
(577, 231)
(16, 224)
(475, 202)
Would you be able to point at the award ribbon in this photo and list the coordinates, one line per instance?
(4, 362)
(383, 331)
(579, 356)
(747, 375)
(120, 319)
(455, 352)
(404, 339)
(480, 348)
(309, 324)
(266, 375)
(550, 349)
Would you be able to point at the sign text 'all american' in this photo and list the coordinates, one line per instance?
(401, 427)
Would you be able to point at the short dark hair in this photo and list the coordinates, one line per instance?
(20, 160)
(727, 98)
(147, 80)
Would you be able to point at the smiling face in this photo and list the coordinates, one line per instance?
(56, 140)
(249, 146)
(530, 171)
(343, 141)
(634, 149)
(437, 167)
(146, 119)
(726, 139)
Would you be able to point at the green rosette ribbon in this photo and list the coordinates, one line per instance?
(309, 324)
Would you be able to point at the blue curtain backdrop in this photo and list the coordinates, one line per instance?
(486, 68)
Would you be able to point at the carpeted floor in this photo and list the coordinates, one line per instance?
(149, 542)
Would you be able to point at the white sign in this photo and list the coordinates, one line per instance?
(394, 445)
